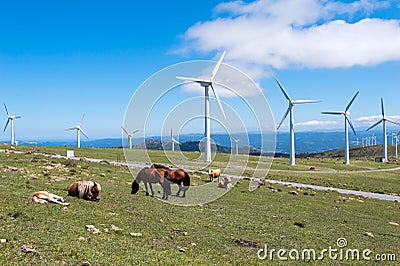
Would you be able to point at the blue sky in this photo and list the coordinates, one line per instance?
(60, 59)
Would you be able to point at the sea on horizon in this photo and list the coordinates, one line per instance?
(306, 142)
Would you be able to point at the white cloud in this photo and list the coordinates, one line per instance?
(375, 118)
(317, 124)
(268, 34)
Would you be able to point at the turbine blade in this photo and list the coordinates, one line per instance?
(80, 124)
(83, 133)
(351, 102)
(17, 116)
(374, 125)
(332, 113)
(215, 70)
(283, 90)
(197, 80)
(8, 120)
(306, 101)
(351, 125)
(71, 128)
(8, 114)
(135, 131)
(284, 117)
(383, 109)
(393, 122)
(126, 131)
(219, 102)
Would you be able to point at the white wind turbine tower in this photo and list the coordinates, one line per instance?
(346, 127)
(207, 83)
(79, 131)
(173, 141)
(396, 139)
(11, 118)
(383, 120)
(130, 135)
(236, 144)
(290, 110)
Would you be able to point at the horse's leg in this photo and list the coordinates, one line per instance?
(179, 190)
(184, 191)
(166, 185)
(151, 188)
(145, 185)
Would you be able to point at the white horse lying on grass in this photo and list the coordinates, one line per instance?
(44, 197)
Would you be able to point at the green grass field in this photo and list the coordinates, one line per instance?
(228, 231)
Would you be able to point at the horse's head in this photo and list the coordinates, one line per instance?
(95, 191)
(135, 187)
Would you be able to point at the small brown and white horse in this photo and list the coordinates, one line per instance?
(87, 190)
(214, 173)
(151, 176)
(178, 176)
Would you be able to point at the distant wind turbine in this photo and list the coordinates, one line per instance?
(396, 139)
(79, 131)
(290, 110)
(347, 122)
(207, 83)
(130, 135)
(173, 141)
(11, 118)
(383, 120)
(236, 144)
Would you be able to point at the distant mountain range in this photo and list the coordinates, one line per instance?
(306, 142)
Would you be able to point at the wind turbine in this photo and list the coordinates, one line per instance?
(207, 83)
(347, 122)
(130, 135)
(11, 118)
(383, 120)
(79, 131)
(173, 141)
(396, 139)
(290, 110)
(373, 140)
(236, 144)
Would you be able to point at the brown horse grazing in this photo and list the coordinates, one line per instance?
(150, 175)
(178, 177)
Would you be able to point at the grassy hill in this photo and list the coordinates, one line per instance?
(228, 231)
(357, 152)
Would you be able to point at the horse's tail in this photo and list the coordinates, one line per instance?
(186, 180)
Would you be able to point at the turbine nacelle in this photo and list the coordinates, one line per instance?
(12, 117)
